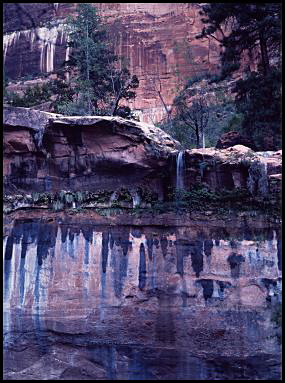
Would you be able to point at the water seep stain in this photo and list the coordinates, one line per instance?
(142, 268)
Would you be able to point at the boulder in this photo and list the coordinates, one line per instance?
(234, 138)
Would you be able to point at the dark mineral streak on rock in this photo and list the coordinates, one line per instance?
(267, 282)
(22, 279)
(185, 248)
(142, 267)
(87, 231)
(24, 243)
(7, 265)
(156, 243)
(149, 242)
(208, 245)
(208, 287)
(233, 244)
(235, 264)
(119, 260)
(46, 240)
(37, 316)
(105, 250)
(136, 233)
(9, 248)
(88, 235)
(222, 286)
(163, 245)
(64, 230)
(197, 257)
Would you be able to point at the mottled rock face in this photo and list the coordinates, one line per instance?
(157, 39)
(86, 301)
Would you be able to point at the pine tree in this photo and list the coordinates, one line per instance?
(251, 28)
(100, 85)
(244, 27)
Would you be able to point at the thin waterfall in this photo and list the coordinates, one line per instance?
(180, 168)
(136, 199)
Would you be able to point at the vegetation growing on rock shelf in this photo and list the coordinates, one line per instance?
(199, 198)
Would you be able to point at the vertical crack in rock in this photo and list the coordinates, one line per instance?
(142, 267)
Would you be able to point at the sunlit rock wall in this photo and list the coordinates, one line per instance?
(158, 41)
(140, 302)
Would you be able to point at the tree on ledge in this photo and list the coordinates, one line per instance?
(253, 29)
(194, 113)
(100, 85)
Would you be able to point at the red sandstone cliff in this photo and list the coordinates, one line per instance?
(157, 39)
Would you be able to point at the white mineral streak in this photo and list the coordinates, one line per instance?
(10, 40)
(30, 272)
(46, 40)
(215, 290)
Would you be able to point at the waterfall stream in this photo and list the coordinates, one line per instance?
(180, 167)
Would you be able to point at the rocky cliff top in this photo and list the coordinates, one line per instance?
(27, 118)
